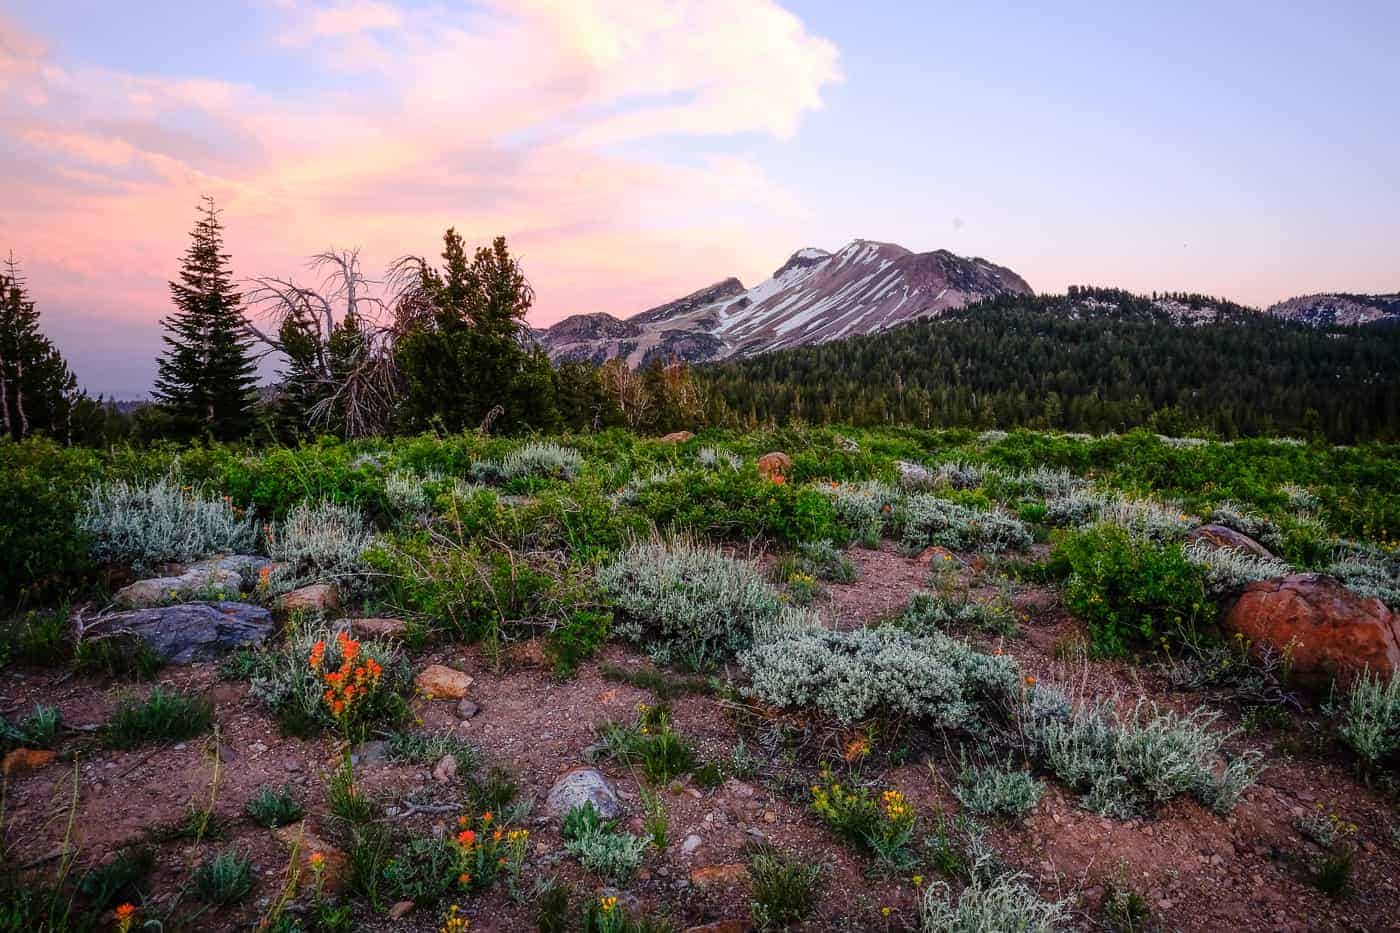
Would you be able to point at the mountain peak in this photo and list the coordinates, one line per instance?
(815, 296)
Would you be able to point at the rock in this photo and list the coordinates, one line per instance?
(400, 910)
(467, 709)
(1220, 536)
(774, 464)
(913, 475)
(318, 597)
(307, 844)
(719, 876)
(691, 843)
(578, 786)
(377, 628)
(1327, 630)
(440, 682)
(722, 926)
(937, 557)
(677, 437)
(371, 752)
(219, 576)
(193, 632)
(26, 759)
(445, 771)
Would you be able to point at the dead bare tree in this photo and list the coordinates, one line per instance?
(339, 336)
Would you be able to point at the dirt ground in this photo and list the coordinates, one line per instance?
(1190, 869)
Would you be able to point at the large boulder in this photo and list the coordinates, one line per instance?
(193, 632)
(774, 464)
(579, 786)
(1221, 536)
(227, 575)
(1327, 630)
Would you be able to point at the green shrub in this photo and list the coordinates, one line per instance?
(38, 730)
(697, 602)
(650, 742)
(125, 657)
(533, 459)
(1129, 589)
(784, 889)
(997, 791)
(148, 523)
(344, 798)
(723, 503)
(424, 870)
(1371, 719)
(851, 675)
(225, 879)
(826, 561)
(38, 638)
(577, 638)
(273, 807)
(163, 716)
(930, 612)
(924, 520)
(883, 827)
(43, 550)
(428, 750)
(121, 879)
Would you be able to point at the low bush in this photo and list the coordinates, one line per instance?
(163, 716)
(427, 750)
(1248, 522)
(1228, 570)
(531, 460)
(1006, 902)
(273, 807)
(884, 827)
(651, 743)
(701, 605)
(924, 520)
(37, 730)
(866, 508)
(851, 675)
(997, 791)
(320, 542)
(1370, 575)
(145, 524)
(1147, 757)
(577, 638)
(784, 888)
(1129, 589)
(43, 549)
(825, 561)
(225, 879)
(1371, 718)
(930, 612)
(38, 638)
(600, 846)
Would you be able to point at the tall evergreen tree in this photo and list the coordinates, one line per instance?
(37, 390)
(207, 373)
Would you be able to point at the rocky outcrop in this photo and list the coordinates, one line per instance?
(813, 297)
(1339, 310)
(1221, 536)
(193, 632)
(219, 576)
(1327, 630)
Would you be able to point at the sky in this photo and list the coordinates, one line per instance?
(632, 151)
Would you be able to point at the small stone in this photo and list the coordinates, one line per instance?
(27, 759)
(378, 628)
(691, 843)
(318, 598)
(719, 876)
(770, 816)
(467, 709)
(400, 910)
(441, 682)
(445, 771)
(292, 765)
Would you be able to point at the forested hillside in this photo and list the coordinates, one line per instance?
(1093, 360)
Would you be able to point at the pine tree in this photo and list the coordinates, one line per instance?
(207, 374)
(37, 390)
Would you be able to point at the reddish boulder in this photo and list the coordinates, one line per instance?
(676, 437)
(1327, 630)
(1221, 536)
(774, 464)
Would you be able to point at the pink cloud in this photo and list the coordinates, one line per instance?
(504, 122)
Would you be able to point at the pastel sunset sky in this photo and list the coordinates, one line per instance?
(635, 150)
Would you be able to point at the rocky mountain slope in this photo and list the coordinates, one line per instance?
(1339, 309)
(814, 297)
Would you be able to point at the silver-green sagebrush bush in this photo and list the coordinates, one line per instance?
(850, 675)
(1248, 522)
(990, 905)
(535, 458)
(1370, 575)
(1145, 757)
(867, 508)
(319, 542)
(1371, 718)
(997, 790)
(1228, 569)
(697, 602)
(145, 524)
(926, 519)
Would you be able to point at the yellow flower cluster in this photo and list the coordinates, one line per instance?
(894, 805)
(455, 922)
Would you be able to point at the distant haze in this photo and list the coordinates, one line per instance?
(636, 150)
